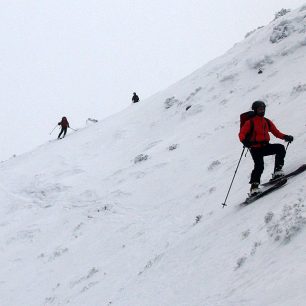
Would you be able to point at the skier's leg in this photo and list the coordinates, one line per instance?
(280, 153)
(257, 156)
(59, 135)
(65, 131)
(279, 156)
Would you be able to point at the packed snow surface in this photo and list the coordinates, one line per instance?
(127, 211)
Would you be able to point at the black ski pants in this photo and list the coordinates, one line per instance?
(63, 130)
(258, 158)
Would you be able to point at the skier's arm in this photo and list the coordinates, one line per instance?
(275, 131)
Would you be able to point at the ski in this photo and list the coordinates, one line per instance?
(266, 191)
(299, 170)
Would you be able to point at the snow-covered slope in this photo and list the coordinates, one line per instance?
(128, 211)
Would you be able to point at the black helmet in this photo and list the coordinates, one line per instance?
(257, 104)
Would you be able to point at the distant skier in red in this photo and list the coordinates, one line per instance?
(65, 125)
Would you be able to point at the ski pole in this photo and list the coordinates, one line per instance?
(53, 130)
(287, 145)
(72, 128)
(224, 204)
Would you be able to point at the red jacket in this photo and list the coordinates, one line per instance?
(261, 128)
(64, 123)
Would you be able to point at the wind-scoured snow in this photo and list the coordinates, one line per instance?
(127, 211)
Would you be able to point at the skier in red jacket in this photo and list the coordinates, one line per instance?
(64, 124)
(254, 134)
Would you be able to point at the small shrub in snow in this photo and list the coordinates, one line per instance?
(281, 13)
(281, 31)
(212, 189)
(214, 164)
(200, 195)
(298, 89)
(255, 246)
(245, 234)
(240, 262)
(141, 157)
(198, 219)
(150, 263)
(91, 120)
(169, 102)
(92, 271)
(58, 252)
(268, 217)
(194, 93)
(173, 147)
(288, 225)
(104, 208)
(50, 299)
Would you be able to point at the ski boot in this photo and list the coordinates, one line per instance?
(278, 173)
(254, 189)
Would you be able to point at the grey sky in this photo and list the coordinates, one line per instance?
(84, 58)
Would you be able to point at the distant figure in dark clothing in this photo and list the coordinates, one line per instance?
(135, 98)
(64, 124)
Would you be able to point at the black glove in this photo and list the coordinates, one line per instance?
(288, 138)
(246, 143)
